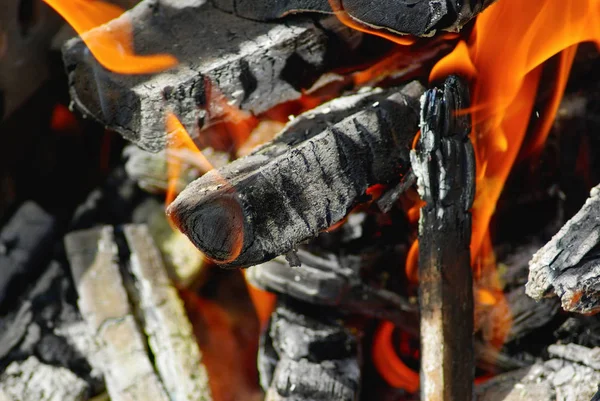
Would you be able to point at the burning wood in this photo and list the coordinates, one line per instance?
(567, 266)
(263, 205)
(255, 65)
(444, 164)
(419, 17)
(308, 355)
(175, 371)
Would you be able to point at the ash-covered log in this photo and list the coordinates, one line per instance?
(254, 65)
(444, 163)
(306, 354)
(416, 17)
(569, 265)
(263, 205)
(146, 342)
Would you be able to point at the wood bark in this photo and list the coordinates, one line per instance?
(444, 164)
(569, 265)
(254, 65)
(263, 205)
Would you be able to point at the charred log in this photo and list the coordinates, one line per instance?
(568, 266)
(308, 355)
(25, 245)
(246, 61)
(444, 164)
(263, 205)
(419, 18)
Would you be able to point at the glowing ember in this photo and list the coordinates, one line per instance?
(112, 46)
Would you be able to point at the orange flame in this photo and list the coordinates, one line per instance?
(111, 45)
(509, 43)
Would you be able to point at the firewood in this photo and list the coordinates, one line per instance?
(255, 65)
(308, 355)
(444, 164)
(157, 358)
(568, 266)
(263, 205)
(332, 281)
(25, 243)
(419, 17)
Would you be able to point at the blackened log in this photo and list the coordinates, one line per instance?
(444, 164)
(260, 206)
(310, 356)
(332, 281)
(255, 65)
(417, 17)
(569, 265)
(25, 244)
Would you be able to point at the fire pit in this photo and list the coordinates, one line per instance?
(303, 200)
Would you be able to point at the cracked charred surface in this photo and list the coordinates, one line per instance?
(413, 17)
(254, 65)
(263, 205)
(444, 163)
(569, 265)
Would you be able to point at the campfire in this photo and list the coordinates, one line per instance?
(226, 200)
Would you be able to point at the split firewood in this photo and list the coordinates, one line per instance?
(159, 361)
(417, 17)
(332, 281)
(306, 354)
(263, 205)
(254, 65)
(444, 164)
(25, 243)
(569, 265)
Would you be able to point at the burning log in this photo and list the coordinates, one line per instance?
(263, 205)
(419, 17)
(307, 355)
(254, 65)
(175, 371)
(332, 281)
(444, 164)
(25, 242)
(567, 266)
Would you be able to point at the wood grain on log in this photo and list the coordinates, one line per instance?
(263, 205)
(147, 347)
(255, 65)
(443, 162)
(417, 17)
(569, 265)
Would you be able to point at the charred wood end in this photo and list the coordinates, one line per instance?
(443, 162)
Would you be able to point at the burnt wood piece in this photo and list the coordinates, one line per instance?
(146, 342)
(25, 244)
(263, 205)
(444, 164)
(414, 17)
(332, 281)
(569, 265)
(255, 65)
(306, 354)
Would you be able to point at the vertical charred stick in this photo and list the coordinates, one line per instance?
(444, 164)
(263, 205)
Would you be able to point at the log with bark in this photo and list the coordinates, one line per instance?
(254, 65)
(569, 265)
(263, 205)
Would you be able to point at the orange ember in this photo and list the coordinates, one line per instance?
(112, 46)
